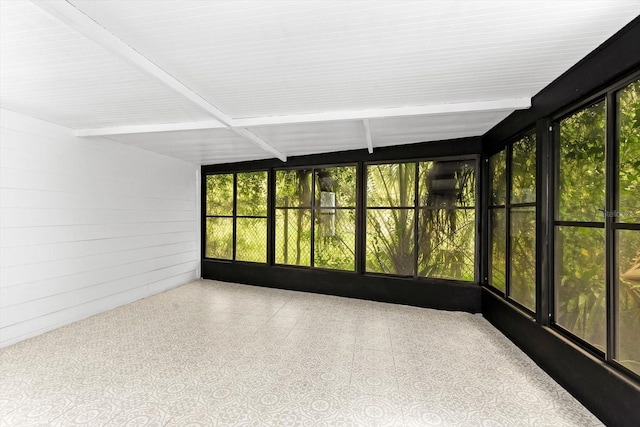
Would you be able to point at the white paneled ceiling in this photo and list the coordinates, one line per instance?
(196, 146)
(292, 77)
(50, 71)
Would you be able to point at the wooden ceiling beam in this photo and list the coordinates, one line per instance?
(76, 19)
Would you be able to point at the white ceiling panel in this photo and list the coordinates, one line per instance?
(49, 71)
(261, 58)
(295, 73)
(196, 146)
(409, 130)
(312, 138)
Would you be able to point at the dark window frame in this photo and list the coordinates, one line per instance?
(508, 206)
(234, 216)
(609, 225)
(417, 207)
(313, 208)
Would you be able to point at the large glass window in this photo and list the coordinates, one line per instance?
(512, 221)
(219, 222)
(598, 220)
(420, 219)
(626, 222)
(580, 241)
(236, 216)
(316, 217)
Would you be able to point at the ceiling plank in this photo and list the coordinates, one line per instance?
(164, 127)
(259, 142)
(367, 135)
(76, 19)
(422, 110)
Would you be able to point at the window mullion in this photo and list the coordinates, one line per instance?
(507, 247)
(611, 173)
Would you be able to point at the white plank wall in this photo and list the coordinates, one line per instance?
(87, 225)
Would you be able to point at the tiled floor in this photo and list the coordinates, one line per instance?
(211, 353)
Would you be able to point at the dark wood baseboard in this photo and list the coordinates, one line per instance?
(429, 293)
(607, 393)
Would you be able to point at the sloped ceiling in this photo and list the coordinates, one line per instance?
(223, 81)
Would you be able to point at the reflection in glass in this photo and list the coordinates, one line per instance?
(251, 193)
(293, 188)
(447, 184)
(628, 316)
(497, 256)
(629, 137)
(582, 165)
(251, 239)
(391, 185)
(337, 185)
(523, 170)
(580, 283)
(335, 239)
(523, 257)
(390, 242)
(220, 194)
(219, 238)
(293, 236)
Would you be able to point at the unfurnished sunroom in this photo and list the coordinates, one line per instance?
(473, 157)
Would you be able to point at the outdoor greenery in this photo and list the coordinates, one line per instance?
(329, 196)
(420, 221)
(219, 228)
(521, 192)
(251, 201)
(628, 262)
(443, 204)
(580, 282)
(579, 261)
(250, 217)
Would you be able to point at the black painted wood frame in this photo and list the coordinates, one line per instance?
(612, 394)
(420, 292)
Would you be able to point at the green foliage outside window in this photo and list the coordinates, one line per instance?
(445, 219)
(219, 194)
(628, 241)
(579, 260)
(581, 175)
(521, 194)
(498, 251)
(250, 218)
(329, 194)
(580, 283)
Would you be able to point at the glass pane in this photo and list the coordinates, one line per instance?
(582, 164)
(628, 316)
(629, 137)
(293, 188)
(523, 257)
(523, 170)
(251, 194)
(336, 186)
(391, 185)
(580, 283)
(446, 244)
(498, 178)
(251, 239)
(390, 241)
(293, 236)
(220, 194)
(447, 184)
(497, 256)
(335, 239)
(219, 238)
